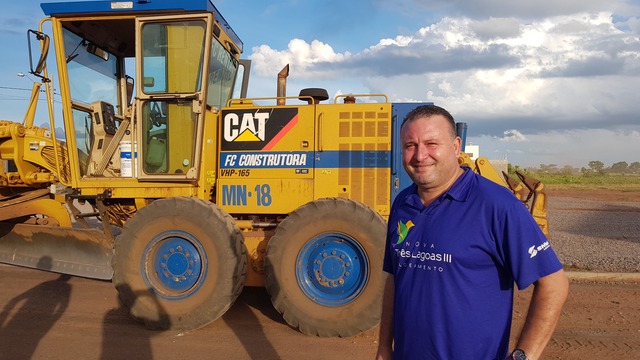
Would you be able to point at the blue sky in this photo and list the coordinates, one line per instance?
(537, 81)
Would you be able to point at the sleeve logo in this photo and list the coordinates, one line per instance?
(533, 251)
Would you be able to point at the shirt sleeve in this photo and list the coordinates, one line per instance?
(528, 252)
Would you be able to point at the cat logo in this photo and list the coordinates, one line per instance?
(256, 129)
(250, 128)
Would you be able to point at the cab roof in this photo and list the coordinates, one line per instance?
(147, 7)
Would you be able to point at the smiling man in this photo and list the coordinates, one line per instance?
(456, 244)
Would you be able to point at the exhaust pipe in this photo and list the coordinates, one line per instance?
(461, 131)
(282, 85)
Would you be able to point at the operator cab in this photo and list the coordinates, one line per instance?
(144, 75)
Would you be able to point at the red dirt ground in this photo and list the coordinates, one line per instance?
(47, 316)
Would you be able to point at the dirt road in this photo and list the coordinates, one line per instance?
(48, 316)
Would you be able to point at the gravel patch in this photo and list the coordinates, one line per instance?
(594, 235)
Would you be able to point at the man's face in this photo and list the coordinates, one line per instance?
(429, 154)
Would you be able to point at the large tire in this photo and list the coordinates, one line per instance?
(179, 264)
(324, 268)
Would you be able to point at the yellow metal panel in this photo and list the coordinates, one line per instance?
(209, 155)
(354, 153)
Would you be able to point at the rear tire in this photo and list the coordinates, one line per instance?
(324, 268)
(179, 263)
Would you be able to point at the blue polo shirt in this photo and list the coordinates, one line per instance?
(454, 264)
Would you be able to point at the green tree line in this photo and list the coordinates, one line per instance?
(619, 175)
(595, 168)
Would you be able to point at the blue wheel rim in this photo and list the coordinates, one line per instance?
(174, 265)
(332, 269)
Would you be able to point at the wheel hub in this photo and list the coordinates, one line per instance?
(332, 269)
(174, 266)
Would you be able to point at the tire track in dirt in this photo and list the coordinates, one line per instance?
(574, 346)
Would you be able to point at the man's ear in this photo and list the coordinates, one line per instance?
(457, 145)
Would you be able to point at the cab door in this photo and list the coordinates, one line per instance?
(171, 61)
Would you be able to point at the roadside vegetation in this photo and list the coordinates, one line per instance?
(619, 176)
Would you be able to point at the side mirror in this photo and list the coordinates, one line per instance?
(43, 40)
(130, 88)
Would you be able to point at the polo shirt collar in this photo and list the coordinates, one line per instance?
(459, 191)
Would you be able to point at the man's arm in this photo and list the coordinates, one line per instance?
(385, 341)
(547, 300)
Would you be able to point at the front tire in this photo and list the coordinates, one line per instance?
(179, 263)
(324, 268)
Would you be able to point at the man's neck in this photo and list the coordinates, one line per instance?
(427, 195)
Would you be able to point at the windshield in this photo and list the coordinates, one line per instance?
(222, 72)
(92, 79)
(92, 75)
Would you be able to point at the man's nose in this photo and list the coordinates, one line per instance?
(421, 153)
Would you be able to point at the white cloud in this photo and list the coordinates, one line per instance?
(513, 135)
(299, 54)
(497, 28)
(400, 41)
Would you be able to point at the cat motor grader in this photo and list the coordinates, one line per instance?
(165, 179)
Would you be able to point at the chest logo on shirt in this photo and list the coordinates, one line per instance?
(403, 231)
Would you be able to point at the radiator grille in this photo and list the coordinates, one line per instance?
(365, 156)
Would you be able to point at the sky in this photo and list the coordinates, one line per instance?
(536, 81)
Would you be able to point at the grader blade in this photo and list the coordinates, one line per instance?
(79, 252)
